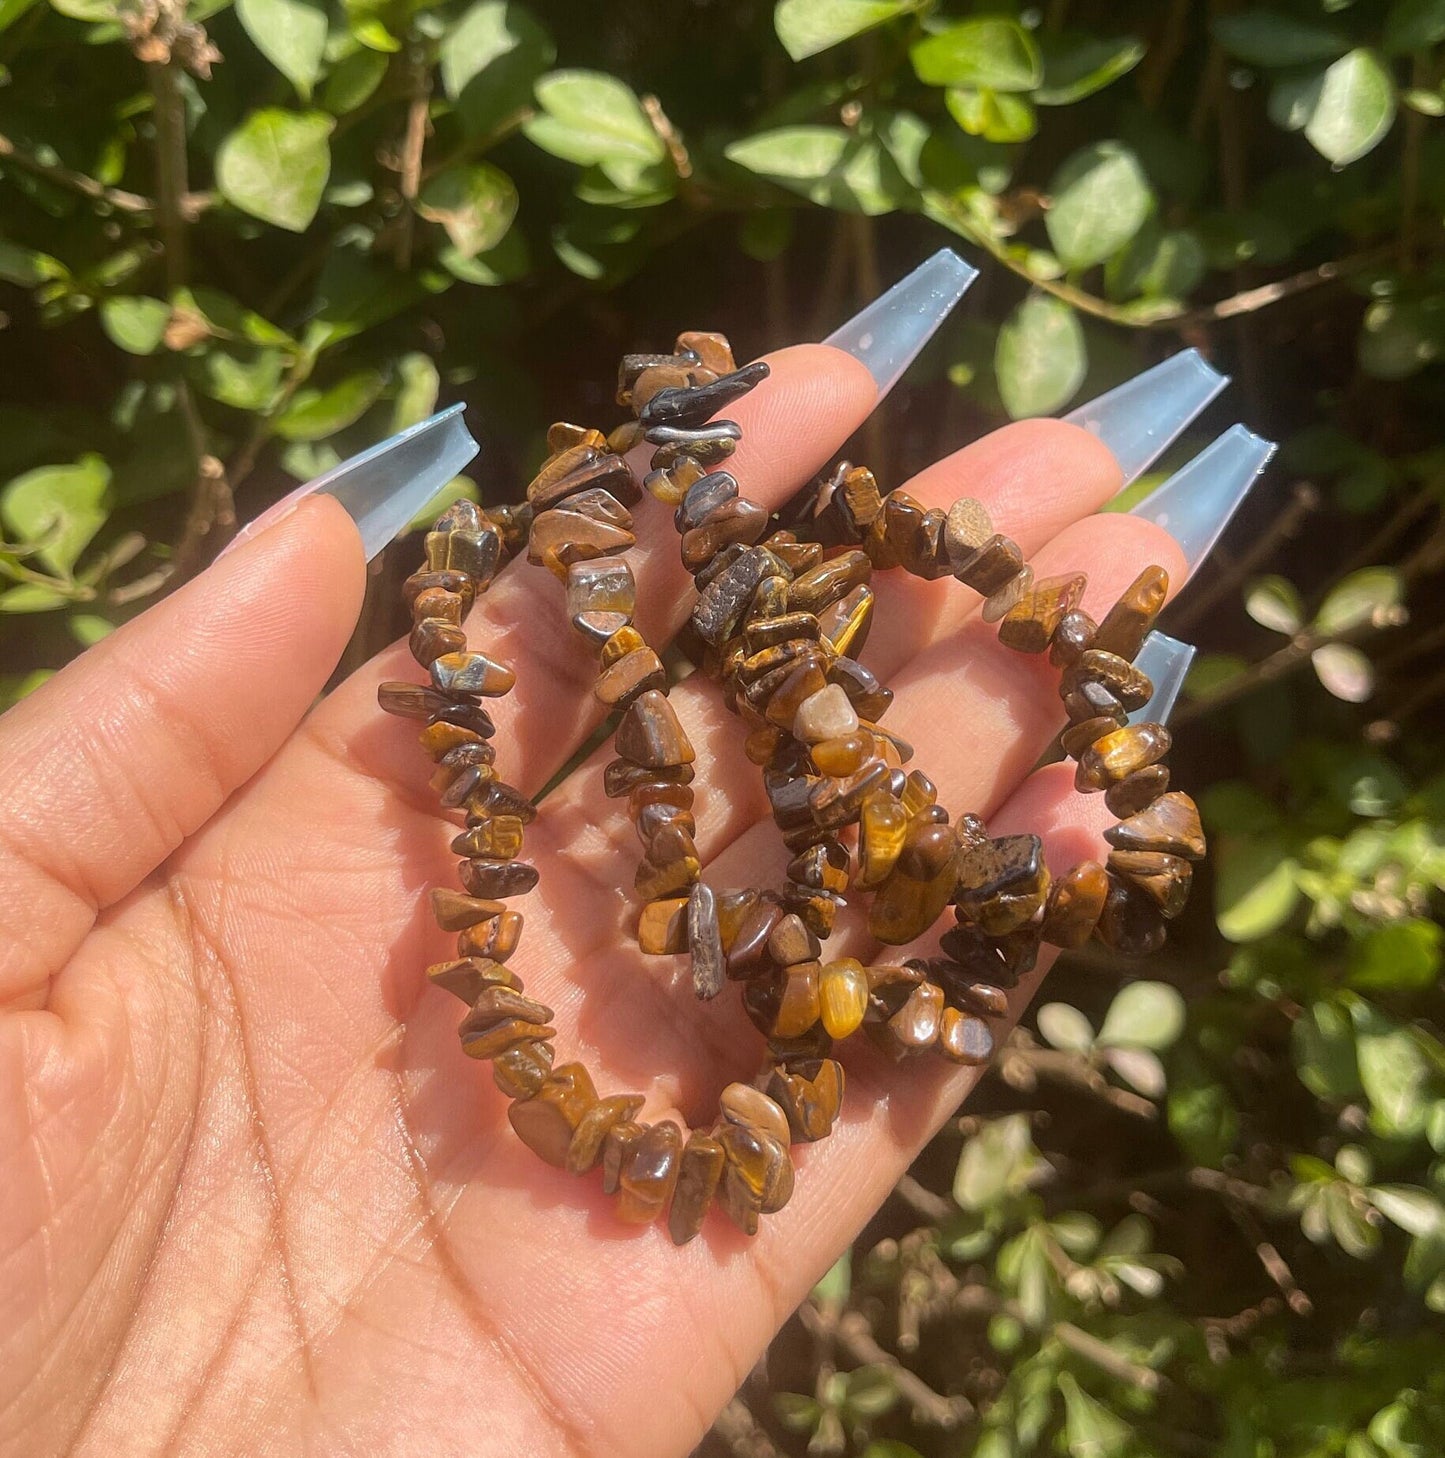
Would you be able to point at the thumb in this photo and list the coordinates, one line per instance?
(109, 766)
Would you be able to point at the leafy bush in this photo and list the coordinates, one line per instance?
(240, 240)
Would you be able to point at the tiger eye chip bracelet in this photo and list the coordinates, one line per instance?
(780, 624)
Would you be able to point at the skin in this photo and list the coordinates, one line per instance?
(255, 1198)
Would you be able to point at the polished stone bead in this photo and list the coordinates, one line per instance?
(670, 865)
(616, 1145)
(563, 436)
(1079, 737)
(503, 799)
(462, 515)
(632, 367)
(471, 673)
(1131, 924)
(1073, 636)
(437, 602)
(758, 1176)
(824, 867)
(457, 783)
(843, 755)
(1031, 623)
(733, 909)
(418, 701)
(843, 996)
(619, 644)
(582, 469)
(496, 939)
(759, 665)
(432, 637)
(798, 1007)
(790, 942)
(884, 827)
(475, 551)
(992, 567)
(1076, 901)
(704, 940)
(845, 623)
(797, 557)
(561, 537)
(657, 813)
(741, 1103)
(762, 744)
(457, 583)
(919, 792)
(585, 1150)
(858, 498)
(546, 1122)
(648, 1173)
(1120, 754)
(1170, 824)
(1132, 688)
(469, 977)
(1092, 700)
(711, 348)
(766, 630)
(499, 837)
(739, 522)
(492, 878)
(969, 994)
(601, 585)
(671, 485)
(748, 950)
(501, 1018)
(1008, 597)
(964, 1038)
(890, 538)
(699, 1170)
(454, 910)
(521, 1071)
(1163, 877)
(811, 1096)
(662, 926)
(1137, 792)
(800, 683)
(826, 714)
(689, 409)
(967, 529)
(661, 790)
(915, 1026)
(722, 603)
(869, 698)
(706, 496)
(649, 733)
(1129, 621)
(835, 803)
(829, 582)
(627, 679)
(621, 776)
(919, 886)
(625, 437)
(1002, 883)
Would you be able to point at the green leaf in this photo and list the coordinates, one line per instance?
(1350, 107)
(416, 397)
(1101, 198)
(806, 27)
(797, 1412)
(11, 11)
(27, 267)
(1202, 1116)
(1413, 25)
(89, 628)
(1140, 1069)
(833, 1289)
(1041, 358)
(1344, 671)
(1322, 1043)
(830, 165)
(1411, 1208)
(870, 1391)
(1063, 1026)
(499, 45)
(63, 506)
(31, 597)
(291, 34)
(1091, 1430)
(999, 1160)
(1078, 66)
(316, 414)
(1401, 337)
(1274, 603)
(352, 81)
(1255, 888)
(1144, 1015)
(1268, 38)
(1400, 956)
(1159, 263)
(475, 203)
(590, 118)
(996, 116)
(275, 165)
(136, 325)
(1362, 597)
(991, 51)
(1395, 1072)
(245, 379)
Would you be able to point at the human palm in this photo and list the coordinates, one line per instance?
(256, 1200)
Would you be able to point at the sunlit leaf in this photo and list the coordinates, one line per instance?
(1255, 887)
(61, 506)
(1361, 597)
(275, 166)
(990, 51)
(474, 202)
(136, 324)
(1101, 199)
(806, 27)
(1063, 1026)
(315, 414)
(1344, 671)
(1274, 603)
(291, 34)
(1041, 358)
(1144, 1015)
(590, 117)
(1078, 66)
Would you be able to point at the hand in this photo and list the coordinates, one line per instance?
(256, 1199)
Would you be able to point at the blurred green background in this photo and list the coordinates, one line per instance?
(1198, 1214)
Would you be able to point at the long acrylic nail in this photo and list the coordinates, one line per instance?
(1166, 660)
(385, 486)
(1141, 418)
(887, 334)
(1195, 504)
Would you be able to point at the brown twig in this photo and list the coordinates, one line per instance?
(1023, 1063)
(669, 136)
(1273, 1262)
(412, 147)
(739, 1429)
(935, 1209)
(1413, 506)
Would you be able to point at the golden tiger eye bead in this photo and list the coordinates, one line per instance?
(1170, 824)
(1076, 901)
(498, 836)
(1014, 591)
(919, 886)
(546, 1122)
(821, 586)
(1079, 737)
(648, 1174)
(497, 878)
(1131, 924)
(1137, 792)
(500, 1019)
(915, 1026)
(1130, 620)
(1125, 682)
(1030, 624)
(711, 348)
(1163, 877)
(845, 623)
(790, 942)
(662, 927)
(496, 939)
(1073, 636)
(621, 682)
(432, 637)
(454, 910)
(843, 996)
(964, 1038)
(990, 570)
(758, 1176)
(798, 1008)
(919, 792)
(471, 673)
(967, 528)
(441, 738)
(1002, 883)
(811, 1100)
(563, 436)
(1119, 754)
(884, 824)
(799, 684)
(620, 644)
(741, 1103)
(699, 1170)
(669, 866)
(521, 1071)
(616, 1146)
(649, 733)
(469, 977)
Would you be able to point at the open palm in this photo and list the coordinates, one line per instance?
(255, 1200)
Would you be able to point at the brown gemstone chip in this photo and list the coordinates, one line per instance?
(648, 1173)
(1002, 883)
(1137, 792)
(699, 1171)
(748, 950)
(454, 911)
(662, 927)
(811, 1100)
(967, 530)
(791, 942)
(711, 348)
(737, 523)
(490, 1029)
(724, 600)
(992, 567)
(883, 828)
(1164, 877)
(1120, 754)
(798, 1005)
(670, 865)
(741, 1103)
(1170, 824)
(601, 585)
(1079, 737)
(585, 1150)
(964, 1038)
(1127, 684)
(521, 1071)
(432, 637)
(1130, 620)
(1076, 901)
(843, 996)
(469, 977)
(829, 581)
(581, 468)
(758, 1176)
(616, 1144)
(915, 1026)
(1008, 597)
(496, 939)
(494, 878)
(1132, 923)
(546, 1122)
(498, 837)
(918, 887)
(622, 682)
(1073, 635)
(649, 733)
(845, 623)
(1031, 623)
(704, 941)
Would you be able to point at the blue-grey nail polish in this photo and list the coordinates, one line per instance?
(1141, 418)
(1195, 504)
(385, 486)
(1166, 660)
(887, 334)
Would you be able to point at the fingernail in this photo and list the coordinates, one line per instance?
(1166, 660)
(384, 487)
(1141, 418)
(1195, 504)
(887, 334)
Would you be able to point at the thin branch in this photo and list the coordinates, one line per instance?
(1023, 1063)
(739, 1429)
(933, 1208)
(1275, 1266)
(1417, 504)
(191, 204)
(669, 136)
